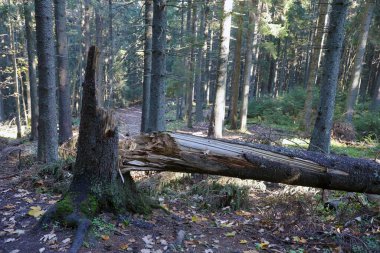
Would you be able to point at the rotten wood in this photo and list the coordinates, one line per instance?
(186, 153)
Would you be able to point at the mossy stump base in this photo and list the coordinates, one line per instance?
(98, 184)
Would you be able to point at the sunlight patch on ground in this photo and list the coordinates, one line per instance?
(10, 131)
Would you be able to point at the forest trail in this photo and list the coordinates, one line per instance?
(129, 120)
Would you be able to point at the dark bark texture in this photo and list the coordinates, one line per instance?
(147, 65)
(31, 47)
(47, 121)
(320, 139)
(64, 108)
(157, 90)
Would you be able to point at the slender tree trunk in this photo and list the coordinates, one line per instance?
(47, 122)
(190, 84)
(199, 88)
(375, 105)
(316, 54)
(31, 47)
(12, 41)
(320, 139)
(248, 65)
(111, 48)
(157, 90)
(236, 70)
(65, 130)
(147, 65)
(358, 65)
(218, 111)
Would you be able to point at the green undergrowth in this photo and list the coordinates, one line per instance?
(358, 149)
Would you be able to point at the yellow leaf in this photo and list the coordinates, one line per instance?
(243, 213)
(303, 240)
(230, 234)
(243, 242)
(29, 200)
(105, 237)
(194, 219)
(262, 245)
(124, 246)
(36, 211)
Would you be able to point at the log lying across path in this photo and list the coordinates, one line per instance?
(187, 153)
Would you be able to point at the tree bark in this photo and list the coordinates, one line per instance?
(47, 122)
(236, 70)
(190, 84)
(13, 49)
(247, 66)
(358, 65)
(64, 109)
(219, 102)
(147, 65)
(31, 46)
(193, 154)
(320, 139)
(157, 91)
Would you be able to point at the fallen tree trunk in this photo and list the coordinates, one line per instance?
(186, 153)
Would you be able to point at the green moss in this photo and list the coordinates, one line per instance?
(90, 206)
(64, 207)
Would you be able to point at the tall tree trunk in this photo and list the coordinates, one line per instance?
(110, 51)
(248, 65)
(31, 47)
(236, 70)
(199, 88)
(218, 111)
(190, 84)
(64, 109)
(12, 41)
(47, 123)
(316, 54)
(358, 65)
(157, 90)
(320, 139)
(147, 65)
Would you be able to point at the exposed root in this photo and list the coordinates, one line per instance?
(82, 224)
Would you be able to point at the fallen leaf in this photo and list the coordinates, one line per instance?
(243, 242)
(10, 240)
(51, 237)
(41, 250)
(243, 213)
(67, 240)
(9, 206)
(15, 251)
(36, 211)
(105, 237)
(124, 246)
(29, 200)
(262, 245)
(230, 234)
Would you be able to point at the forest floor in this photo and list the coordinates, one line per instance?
(199, 213)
